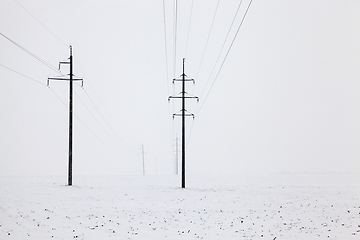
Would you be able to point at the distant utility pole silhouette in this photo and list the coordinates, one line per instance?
(183, 113)
(176, 159)
(71, 79)
(142, 147)
(156, 166)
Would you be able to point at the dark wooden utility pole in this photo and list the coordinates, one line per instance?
(183, 128)
(71, 79)
(183, 114)
(70, 119)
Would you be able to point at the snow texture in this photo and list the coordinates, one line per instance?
(155, 207)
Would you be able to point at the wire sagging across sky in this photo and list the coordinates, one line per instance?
(32, 54)
(42, 24)
(208, 37)
(23, 75)
(227, 53)
(222, 47)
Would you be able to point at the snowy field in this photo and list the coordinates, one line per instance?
(154, 207)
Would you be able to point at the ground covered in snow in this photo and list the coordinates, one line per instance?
(154, 207)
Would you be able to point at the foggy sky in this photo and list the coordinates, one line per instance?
(286, 99)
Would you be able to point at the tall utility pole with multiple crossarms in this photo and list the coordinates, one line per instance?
(183, 113)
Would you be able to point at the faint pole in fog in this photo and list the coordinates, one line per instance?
(176, 159)
(143, 158)
(155, 166)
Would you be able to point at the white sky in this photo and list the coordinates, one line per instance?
(286, 99)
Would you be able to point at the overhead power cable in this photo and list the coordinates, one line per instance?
(207, 40)
(188, 33)
(97, 95)
(175, 33)
(100, 138)
(42, 24)
(166, 53)
(166, 64)
(218, 57)
(112, 130)
(23, 75)
(227, 53)
(32, 54)
(95, 117)
(96, 136)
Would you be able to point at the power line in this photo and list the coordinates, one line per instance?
(207, 41)
(175, 14)
(34, 81)
(188, 33)
(107, 123)
(100, 138)
(218, 57)
(32, 54)
(175, 33)
(191, 128)
(94, 116)
(166, 63)
(22, 75)
(96, 136)
(166, 53)
(42, 24)
(59, 98)
(124, 145)
(222, 64)
(187, 38)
